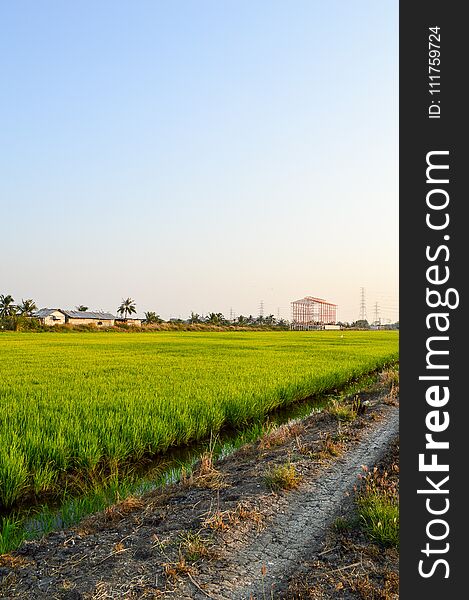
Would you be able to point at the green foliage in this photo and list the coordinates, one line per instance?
(282, 477)
(76, 403)
(7, 306)
(127, 307)
(13, 472)
(151, 318)
(11, 534)
(378, 507)
(27, 307)
(380, 518)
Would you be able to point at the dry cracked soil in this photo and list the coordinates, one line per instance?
(255, 525)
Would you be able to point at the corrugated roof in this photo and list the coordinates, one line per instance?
(81, 314)
(45, 312)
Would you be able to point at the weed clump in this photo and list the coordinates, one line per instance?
(378, 507)
(280, 435)
(283, 477)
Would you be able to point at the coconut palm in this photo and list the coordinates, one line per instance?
(127, 307)
(152, 317)
(195, 318)
(27, 307)
(215, 318)
(7, 307)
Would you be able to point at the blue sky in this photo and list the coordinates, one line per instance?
(199, 155)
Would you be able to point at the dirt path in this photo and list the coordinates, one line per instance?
(294, 535)
(221, 533)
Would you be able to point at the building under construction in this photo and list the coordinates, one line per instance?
(312, 313)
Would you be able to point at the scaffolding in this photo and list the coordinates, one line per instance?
(313, 313)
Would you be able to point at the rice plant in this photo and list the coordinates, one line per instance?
(71, 406)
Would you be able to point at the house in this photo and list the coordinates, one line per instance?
(81, 317)
(58, 316)
(128, 321)
(50, 316)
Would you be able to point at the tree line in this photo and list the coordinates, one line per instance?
(10, 311)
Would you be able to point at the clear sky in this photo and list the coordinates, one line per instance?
(200, 155)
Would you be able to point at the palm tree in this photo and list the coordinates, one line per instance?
(194, 318)
(127, 307)
(27, 307)
(7, 308)
(152, 317)
(82, 308)
(215, 318)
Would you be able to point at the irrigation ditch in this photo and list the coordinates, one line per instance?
(212, 523)
(37, 515)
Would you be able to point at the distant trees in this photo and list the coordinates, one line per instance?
(20, 316)
(27, 307)
(215, 318)
(152, 318)
(195, 318)
(127, 308)
(12, 316)
(361, 324)
(7, 306)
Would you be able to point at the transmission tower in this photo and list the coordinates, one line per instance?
(231, 314)
(377, 319)
(261, 308)
(362, 316)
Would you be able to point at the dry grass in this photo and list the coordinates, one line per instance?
(130, 590)
(280, 435)
(119, 511)
(330, 446)
(111, 515)
(13, 562)
(388, 589)
(173, 570)
(206, 475)
(282, 477)
(346, 411)
(390, 377)
(194, 546)
(226, 519)
(393, 397)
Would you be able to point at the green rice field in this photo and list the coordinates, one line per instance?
(71, 403)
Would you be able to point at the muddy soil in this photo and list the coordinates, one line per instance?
(230, 530)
